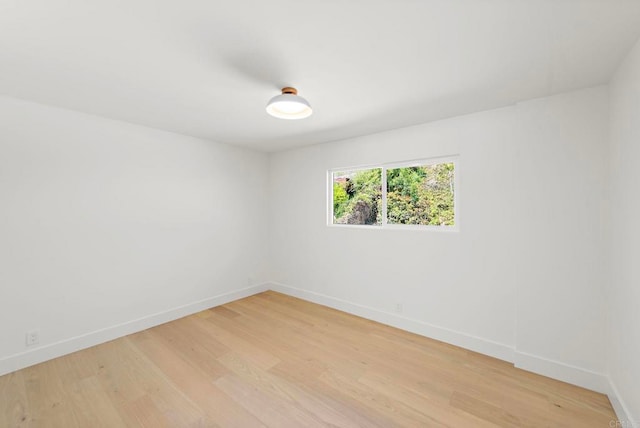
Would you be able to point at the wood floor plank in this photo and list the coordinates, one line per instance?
(248, 350)
(198, 387)
(300, 374)
(439, 410)
(198, 349)
(144, 413)
(287, 343)
(329, 414)
(265, 407)
(127, 376)
(87, 399)
(383, 403)
(272, 360)
(13, 401)
(48, 398)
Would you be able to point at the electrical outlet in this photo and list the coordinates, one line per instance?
(399, 308)
(33, 337)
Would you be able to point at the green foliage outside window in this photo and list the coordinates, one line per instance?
(363, 190)
(420, 195)
(339, 198)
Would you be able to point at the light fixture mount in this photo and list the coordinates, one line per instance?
(289, 105)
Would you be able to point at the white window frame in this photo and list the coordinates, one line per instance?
(454, 159)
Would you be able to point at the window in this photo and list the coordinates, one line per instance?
(420, 193)
(357, 196)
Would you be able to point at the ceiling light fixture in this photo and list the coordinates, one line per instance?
(289, 105)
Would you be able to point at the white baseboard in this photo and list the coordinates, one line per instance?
(556, 370)
(67, 346)
(567, 373)
(622, 411)
(473, 343)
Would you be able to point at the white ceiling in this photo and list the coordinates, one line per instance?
(207, 67)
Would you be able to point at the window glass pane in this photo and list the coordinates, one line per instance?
(421, 195)
(357, 197)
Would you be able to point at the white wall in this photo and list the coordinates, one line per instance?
(104, 223)
(560, 245)
(520, 280)
(623, 349)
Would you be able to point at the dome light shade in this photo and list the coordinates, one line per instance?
(289, 105)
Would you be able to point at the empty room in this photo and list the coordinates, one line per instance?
(409, 213)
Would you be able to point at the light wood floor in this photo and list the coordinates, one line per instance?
(272, 360)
